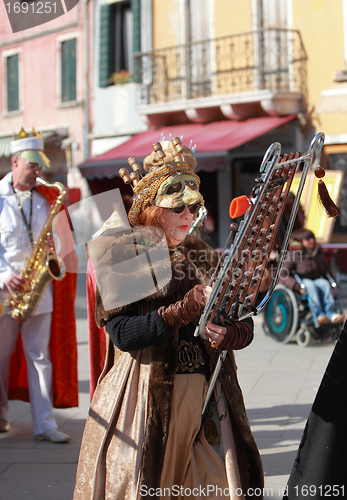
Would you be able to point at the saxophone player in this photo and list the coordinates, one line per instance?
(24, 207)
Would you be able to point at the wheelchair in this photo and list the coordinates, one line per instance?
(288, 316)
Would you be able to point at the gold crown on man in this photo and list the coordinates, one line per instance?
(30, 147)
(23, 134)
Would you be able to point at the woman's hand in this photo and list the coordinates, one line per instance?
(234, 335)
(207, 291)
(215, 334)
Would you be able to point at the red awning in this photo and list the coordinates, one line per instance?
(212, 140)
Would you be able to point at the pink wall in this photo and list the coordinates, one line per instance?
(39, 85)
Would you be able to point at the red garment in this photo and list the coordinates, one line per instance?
(63, 343)
(96, 335)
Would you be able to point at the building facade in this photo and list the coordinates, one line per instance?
(230, 77)
(185, 67)
(44, 75)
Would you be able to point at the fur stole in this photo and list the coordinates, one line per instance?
(134, 267)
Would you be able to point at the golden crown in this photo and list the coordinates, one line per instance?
(174, 157)
(166, 159)
(23, 134)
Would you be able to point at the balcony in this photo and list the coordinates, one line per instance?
(238, 76)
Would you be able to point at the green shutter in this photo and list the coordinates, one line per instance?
(107, 45)
(136, 11)
(68, 70)
(12, 83)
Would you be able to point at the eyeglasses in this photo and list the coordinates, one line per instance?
(193, 209)
(32, 166)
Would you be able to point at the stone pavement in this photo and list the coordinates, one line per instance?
(279, 383)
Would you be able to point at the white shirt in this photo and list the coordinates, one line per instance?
(15, 246)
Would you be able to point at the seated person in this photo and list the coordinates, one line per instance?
(308, 261)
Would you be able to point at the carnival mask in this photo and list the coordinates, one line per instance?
(179, 189)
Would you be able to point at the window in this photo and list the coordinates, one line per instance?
(116, 41)
(68, 70)
(276, 50)
(12, 83)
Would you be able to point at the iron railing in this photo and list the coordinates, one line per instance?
(269, 59)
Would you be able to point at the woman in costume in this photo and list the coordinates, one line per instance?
(144, 436)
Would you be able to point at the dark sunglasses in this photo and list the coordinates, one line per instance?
(193, 209)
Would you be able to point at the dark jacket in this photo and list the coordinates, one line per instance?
(320, 466)
(305, 263)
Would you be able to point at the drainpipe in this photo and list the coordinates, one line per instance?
(86, 103)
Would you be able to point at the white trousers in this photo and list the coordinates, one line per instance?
(35, 334)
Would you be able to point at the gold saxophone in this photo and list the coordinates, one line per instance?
(194, 228)
(42, 267)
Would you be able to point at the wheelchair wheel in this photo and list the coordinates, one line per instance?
(335, 333)
(281, 315)
(303, 337)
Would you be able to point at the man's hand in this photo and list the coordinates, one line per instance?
(50, 243)
(16, 283)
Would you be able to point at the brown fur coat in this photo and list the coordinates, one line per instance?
(173, 273)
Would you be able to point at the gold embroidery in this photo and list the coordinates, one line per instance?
(190, 357)
(117, 353)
